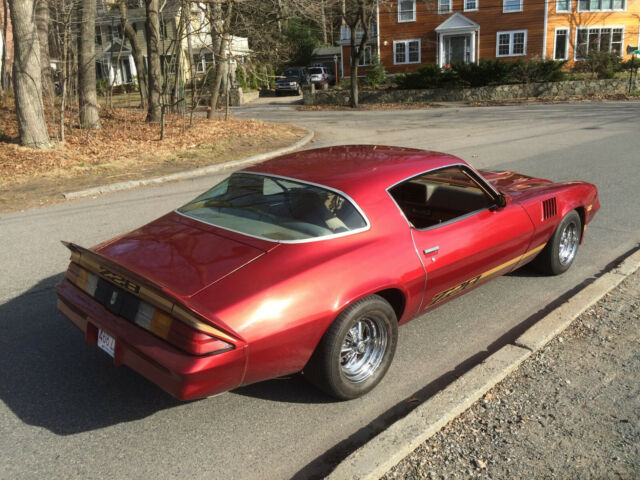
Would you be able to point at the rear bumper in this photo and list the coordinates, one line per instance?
(286, 88)
(184, 376)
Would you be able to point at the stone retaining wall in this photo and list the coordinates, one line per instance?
(500, 92)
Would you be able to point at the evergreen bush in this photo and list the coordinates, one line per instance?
(376, 74)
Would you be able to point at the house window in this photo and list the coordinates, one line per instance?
(470, 5)
(203, 61)
(598, 39)
(406, 51)
(366, 56)
(115, 32)
(600, 5)
(444, 6)
(511, 6)
(512, 43)
(563, 6)
(163, 30)
(561, 44)
(98, 37)
(406, 10)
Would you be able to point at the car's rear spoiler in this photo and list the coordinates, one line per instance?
(147, 291)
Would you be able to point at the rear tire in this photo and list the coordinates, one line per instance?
(560, 252)
(356, 350)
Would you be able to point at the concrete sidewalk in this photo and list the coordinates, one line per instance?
(572, 410)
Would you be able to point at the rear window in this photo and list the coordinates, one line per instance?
(315, 70)
(275, 208)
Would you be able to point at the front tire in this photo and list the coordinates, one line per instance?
(356, 350)
(560, 252)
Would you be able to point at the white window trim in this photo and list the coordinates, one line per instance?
(445, 11)
(364, 56)
(465, 9)
(555, 35)
(558, 10)
(575, 49)
(511, 34)
(405, 43)
(414, 13)
(504, 7)
(604, 9)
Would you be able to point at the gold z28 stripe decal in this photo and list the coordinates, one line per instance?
(439, 297)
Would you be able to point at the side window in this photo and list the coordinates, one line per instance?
(440, 196)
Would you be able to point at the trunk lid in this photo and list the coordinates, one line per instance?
(181, 255)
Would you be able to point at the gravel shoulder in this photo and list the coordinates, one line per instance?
(572, 410)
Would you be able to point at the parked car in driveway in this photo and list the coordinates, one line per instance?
(310, 262)
(292, 80)
(320, 77)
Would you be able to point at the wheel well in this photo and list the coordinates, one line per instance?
(582, 214)
(395, 298)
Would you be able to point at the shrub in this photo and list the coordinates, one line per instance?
(428, 76)
(537, 71)
(272, 76)
(630, 64)
(102, 86)
(241, 77)
(376, 74)
(486, 72)
(602, 64)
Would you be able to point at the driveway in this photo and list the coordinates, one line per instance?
(67, 412)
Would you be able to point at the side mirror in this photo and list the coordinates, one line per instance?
(501, 202)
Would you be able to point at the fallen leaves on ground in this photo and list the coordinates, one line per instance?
(123, 139)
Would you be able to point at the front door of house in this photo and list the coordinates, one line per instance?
(457, 49)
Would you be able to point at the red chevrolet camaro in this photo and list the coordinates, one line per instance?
(309, 262)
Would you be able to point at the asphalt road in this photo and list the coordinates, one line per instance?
(67, 412)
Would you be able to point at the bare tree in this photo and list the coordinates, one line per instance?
(4, 75)
(88, 97)
(219, 22)
(359, 16)
(27, 82)
(42, 23)
(136, 51)
(152, 27)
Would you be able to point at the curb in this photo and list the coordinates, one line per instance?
(384, 451)
(114, 187)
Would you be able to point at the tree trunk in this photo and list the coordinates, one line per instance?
(136, 50)
(4, 76)
(27, 83)
(88, 97)
(152, 26)
(221, 59)
(42, 24)
(323, 20)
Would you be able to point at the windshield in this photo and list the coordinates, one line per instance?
(275, 208)
(291, 73)
(315, 70)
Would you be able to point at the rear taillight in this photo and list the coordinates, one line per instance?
(177, 333)
(177, 328)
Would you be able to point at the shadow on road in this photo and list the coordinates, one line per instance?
(49, 378)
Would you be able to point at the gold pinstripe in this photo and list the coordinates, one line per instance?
(155, 300)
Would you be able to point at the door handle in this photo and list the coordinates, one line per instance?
(427, 251)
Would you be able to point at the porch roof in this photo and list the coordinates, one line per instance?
(457, 23)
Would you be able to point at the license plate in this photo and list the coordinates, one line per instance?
(106, 342)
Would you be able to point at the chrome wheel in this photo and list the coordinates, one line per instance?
(569, 240)
(363, 349)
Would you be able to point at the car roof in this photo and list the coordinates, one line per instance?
(355, 169)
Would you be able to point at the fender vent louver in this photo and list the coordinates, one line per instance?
(549, 208)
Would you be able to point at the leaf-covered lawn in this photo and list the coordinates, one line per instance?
(124, 140)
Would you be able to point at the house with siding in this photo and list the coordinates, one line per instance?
(114, 58)
(411, 33)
